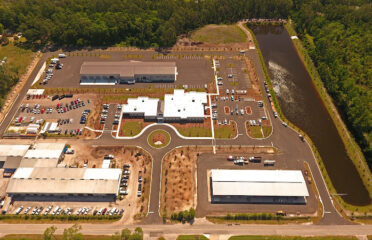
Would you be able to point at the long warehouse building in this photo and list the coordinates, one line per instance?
(258, 186)
(69, 184)
(129, 72)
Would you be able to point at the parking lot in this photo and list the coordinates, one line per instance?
(233, 73)
(52, 115)
(193, 71)
(208, 161)
(237, 101)
(56, 209)
(110, 115)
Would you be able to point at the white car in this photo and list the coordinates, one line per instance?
(27, 210)
(19, 210)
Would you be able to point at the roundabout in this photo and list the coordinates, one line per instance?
(159, 139)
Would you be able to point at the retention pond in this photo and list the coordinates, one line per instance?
(302, 105)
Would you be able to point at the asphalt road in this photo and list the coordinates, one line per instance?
(218, 229)
(282, 137)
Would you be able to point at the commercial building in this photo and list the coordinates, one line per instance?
(258, 186)
(46, 151)
(184, 106)
(41, 154)
(180, 106)
(11, 156)
(129, 72)
(13, 150)
(67, 184)
(141, 107)
(35, 92)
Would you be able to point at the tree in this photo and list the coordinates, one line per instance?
(73, 233)
(125, 234)
(191, 214)
(49, 233)
(137, 234)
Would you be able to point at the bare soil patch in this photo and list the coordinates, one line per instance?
(178, 190)
(227, 110)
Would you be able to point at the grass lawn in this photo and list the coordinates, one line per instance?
(224, 132)
(131, 128)
(218, 34)
(17, 58)
(158, 135)
(291, 238)
(254, 131)
(257, 219)
(235, 83)
(191, 237)
(115, 98)
(267, 130)
(195, 132)
(58, 237)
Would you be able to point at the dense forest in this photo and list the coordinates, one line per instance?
(337, 33)
(144, 23)
(338, 36)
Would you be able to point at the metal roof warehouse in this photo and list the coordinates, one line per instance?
(64, 181)
(127, 72)
(259, 186)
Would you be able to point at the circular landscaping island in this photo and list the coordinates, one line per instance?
(158, 139)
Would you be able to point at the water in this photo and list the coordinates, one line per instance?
(302, 105)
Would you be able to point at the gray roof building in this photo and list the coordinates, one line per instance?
(128, 69)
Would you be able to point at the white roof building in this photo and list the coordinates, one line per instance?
(13, 150)
(144, 106)
(53, 127)
(184, 105)
(106, 163)
(35, 91)
(63, 181)
(259, 183)
(46, 150)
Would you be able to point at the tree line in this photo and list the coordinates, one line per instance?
(73, 233)
(142, 23)
(338, 37)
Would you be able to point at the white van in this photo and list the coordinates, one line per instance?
(62, 55)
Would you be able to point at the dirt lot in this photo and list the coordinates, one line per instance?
(135, 207)
(216, 37)
(178, 190)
